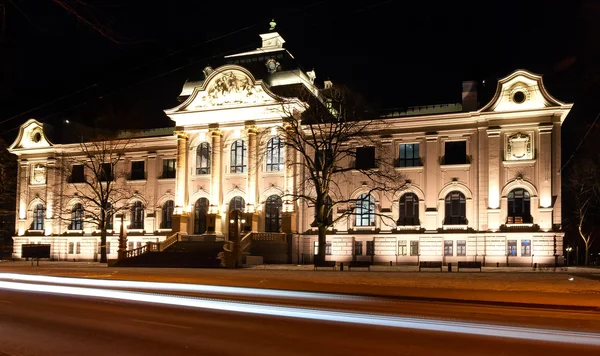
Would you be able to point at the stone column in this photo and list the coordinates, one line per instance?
(556, 178)
(180, 215)
(22, 184)
(545, 177)
(494, 150)
(252, 181)
(50, 186)
(432, 167)
(215, 182)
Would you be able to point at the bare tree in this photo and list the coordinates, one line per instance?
(335, 144)
(95, 179)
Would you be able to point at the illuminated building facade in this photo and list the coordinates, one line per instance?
(484, 183)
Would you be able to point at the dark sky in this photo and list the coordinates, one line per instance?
(397, 53)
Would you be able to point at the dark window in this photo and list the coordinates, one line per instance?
(455, 152)
(358, 251)
(456, 209)
(237, 203)
(409, 155)
(512, 247)
(273, 214)
(137, 216)
(519, 207)
(409, 209)
(77, 217)
(402, 248)
(167, 214)
(414, 248)
(323, 159)
(365, 157)
(525, 248)
(38, 217)
(238, 157)
(461, 248)
(138, 244)
(78, 248)
(200, 211)
(365, 210)
(328, 248)
(106, 173)
(71, 247)
(137, 170)
(168, 168)
(448, 245)
(370, 248)
(203, 158)
(77, 175)
(109, 216)
(274, 155)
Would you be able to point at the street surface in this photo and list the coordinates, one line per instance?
(42, 321)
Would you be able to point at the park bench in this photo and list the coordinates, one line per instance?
(469, 264)
(430, 264)
(359, 264)
(325, 264)
(548, 267)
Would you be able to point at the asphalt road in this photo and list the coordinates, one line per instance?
(36, 323)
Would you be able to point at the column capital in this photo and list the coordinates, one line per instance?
(215, 132)
(181, 134)
(252, 129)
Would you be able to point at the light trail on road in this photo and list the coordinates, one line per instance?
(533, 334)
(179, 287)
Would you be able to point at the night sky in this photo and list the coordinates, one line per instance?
(396, 53)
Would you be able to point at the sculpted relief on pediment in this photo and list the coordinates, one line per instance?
(231, 88)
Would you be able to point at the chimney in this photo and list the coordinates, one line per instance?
(469, 96)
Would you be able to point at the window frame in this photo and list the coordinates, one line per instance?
(201, 208)
(136, 211)
(106, 172)
(451, 217)
(169, 170)
(461, 247)
(135, 173)
(238, 156)
(38, 217)
(525, 207)
(273, 223)
(76, 217)
(358, 248)
(80, 175)
(402, 248)
(413, 161)
(203, 163)
(526, 248)
(403, 219)
(275, 155)
(365, 201)
(448, 248)
(167, 214)
(456, 158)
(414, 248)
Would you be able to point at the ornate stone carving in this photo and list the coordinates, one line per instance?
(38, 175)
(519, 146)
(232, 88)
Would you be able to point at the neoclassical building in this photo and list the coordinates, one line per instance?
(483, 182)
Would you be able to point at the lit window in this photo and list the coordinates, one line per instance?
(461, 248)
(203, 158)
(328, 248)
(512, 247)
(273, 214)
(77, 217)
(448, 248)
(365, 210)
(402, 248)
(38, 217)
(238, 157)
(137, 216)
(237, 203)
(414, 248)
(275, 155)
(71, 245)
(168, 168)
(525, 248)
(409, 155)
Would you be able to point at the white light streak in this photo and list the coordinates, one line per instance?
(561, 336)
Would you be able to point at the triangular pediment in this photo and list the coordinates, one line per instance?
(31, 135)
(228, 86)
(521, 90)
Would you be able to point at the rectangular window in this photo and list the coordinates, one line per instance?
(525, 248)
(370, 248)
(77, 175)
(512, 247)
(323, 159)
(365, 157)
(414, 248)
(108, 248)
(448, 248)
(316, 248)
(358, 251)
(71, 245)
(328, 248)
(168, 168)
(130, 245)
(138, 244)
(78, 248)
(402, 248)
(461, 248)
(106, 173)
(409, 155)
(455, 152)
(137, 170)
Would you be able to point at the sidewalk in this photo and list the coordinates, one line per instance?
(577, 288)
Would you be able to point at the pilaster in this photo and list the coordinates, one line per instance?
(432, 166)
(215, 183)
(545, 166)
(181, 189)
(494, 158)
(253, 166)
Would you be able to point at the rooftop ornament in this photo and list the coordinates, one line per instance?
(272, 25)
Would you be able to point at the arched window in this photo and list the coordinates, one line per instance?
(38, 217)
(76, 217)
(237, 203)
(275, 155)
(203, 158)
(365, 210)
(238, 157)
(409, 209)
(456, 209)
(200, 211)
(167, 215)
(519, 207)
(273, 214)
(137, 215)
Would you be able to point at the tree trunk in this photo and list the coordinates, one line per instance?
(322, 242)
(587, 253)
(103, 245)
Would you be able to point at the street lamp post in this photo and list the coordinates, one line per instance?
(569, 249)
